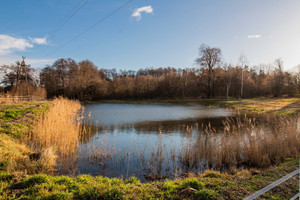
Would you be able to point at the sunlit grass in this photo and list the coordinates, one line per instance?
(209, 185)
(15, 157)
(58, 127)
(281, 106)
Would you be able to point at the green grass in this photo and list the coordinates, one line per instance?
(12, 112)
(211, 185)
(15, 129)
(16, 120)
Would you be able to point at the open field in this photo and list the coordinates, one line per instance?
(22, 177)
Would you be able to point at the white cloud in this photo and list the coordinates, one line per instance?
(40, 41)
(254, 36)
(138, 12)
(9, 44)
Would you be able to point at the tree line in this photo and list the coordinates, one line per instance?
(213, 78)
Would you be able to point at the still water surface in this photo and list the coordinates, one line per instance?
(140, 140)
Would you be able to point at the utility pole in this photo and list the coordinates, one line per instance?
(19, 71)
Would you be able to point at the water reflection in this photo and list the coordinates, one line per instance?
(174, 143)
(120, 114)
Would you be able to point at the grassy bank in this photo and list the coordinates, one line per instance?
(281, 106)
(210, 185)
(17, 119)
(16, 122)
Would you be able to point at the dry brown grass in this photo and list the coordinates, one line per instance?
(15, 157)
(59, 128)
(244, 144)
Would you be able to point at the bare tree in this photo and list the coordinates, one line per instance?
(209, 58)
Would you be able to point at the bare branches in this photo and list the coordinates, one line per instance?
(209, 58)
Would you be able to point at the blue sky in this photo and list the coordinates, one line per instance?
(150, 33)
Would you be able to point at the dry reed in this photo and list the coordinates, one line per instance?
(59, 128)
(244, 143)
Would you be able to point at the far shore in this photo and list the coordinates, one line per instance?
(280, 106)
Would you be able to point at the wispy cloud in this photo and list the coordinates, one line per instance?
(138, 12)
(254, 36)
(10, 44)
(40, 41)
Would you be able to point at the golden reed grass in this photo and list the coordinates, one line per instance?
(59, 128)
(244, 144)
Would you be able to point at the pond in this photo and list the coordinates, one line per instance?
(154, 142)
(140, 140)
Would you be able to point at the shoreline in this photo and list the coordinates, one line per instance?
(279, 106)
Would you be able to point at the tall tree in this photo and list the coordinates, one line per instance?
(209, 58)
(87, 80)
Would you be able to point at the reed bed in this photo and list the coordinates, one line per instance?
(59, 128)
(243, 144)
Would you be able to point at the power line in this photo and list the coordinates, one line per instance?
(92, 26)
(65, 19)
(68, 17)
